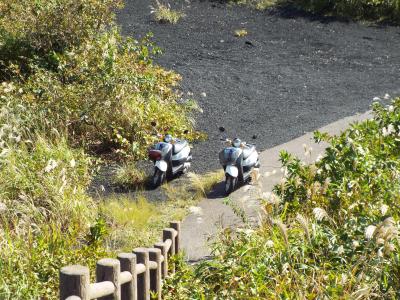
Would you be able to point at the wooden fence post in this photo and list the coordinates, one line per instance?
(164, 253)
(128, 263)
(168, 234)
(143, 280)
(177, 226)
(74, 281)
(108, 269)
(155, 275)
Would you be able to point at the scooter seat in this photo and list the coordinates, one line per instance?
(248, 150)
(179, 145)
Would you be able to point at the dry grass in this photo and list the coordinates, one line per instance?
(240, 32)
(163, 13)
(138, 222)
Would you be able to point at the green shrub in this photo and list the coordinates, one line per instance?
(106, 95)
(35, 30)
(365, 9)
(330, 230)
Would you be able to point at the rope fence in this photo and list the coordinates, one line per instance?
(131, 276)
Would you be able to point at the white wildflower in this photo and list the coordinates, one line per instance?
(343, 280)
(386, 97)
(356, 244)
(380, 253)
(51, 165)
(320, 213)
(375, 99)
(388, 130)
(384, 209)
(369, 232)
(3, 207)
(269, 244)
(319, 157)
(72, 163)
(390, 108)
(391, 128)
(340, 250)
(285, 268)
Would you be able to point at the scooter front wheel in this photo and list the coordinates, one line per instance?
(230, 184)
(158, 178)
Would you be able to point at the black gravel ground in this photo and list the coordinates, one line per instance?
(291, 74)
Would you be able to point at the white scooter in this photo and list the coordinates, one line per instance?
(170, 157)
(239, 161)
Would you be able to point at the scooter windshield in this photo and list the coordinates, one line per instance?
(229, 155)
(164, 148)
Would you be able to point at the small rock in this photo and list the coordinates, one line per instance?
(249, 43)
(221, 41)
(203, 94)
(222, 129)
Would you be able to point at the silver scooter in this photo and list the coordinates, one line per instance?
(239, 160)
(170, 157)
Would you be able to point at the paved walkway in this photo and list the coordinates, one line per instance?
(205, 220)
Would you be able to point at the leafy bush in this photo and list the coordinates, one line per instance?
(370, 9)
(35, 30)
(106, 94)
(330, 230)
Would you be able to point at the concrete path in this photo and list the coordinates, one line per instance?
(204, 221)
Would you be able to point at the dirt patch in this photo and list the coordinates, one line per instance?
(289, 75)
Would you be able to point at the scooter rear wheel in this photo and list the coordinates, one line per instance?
(158, 178)
(230, 184)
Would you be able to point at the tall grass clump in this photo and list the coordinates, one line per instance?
(163, 13)
(329, 230)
